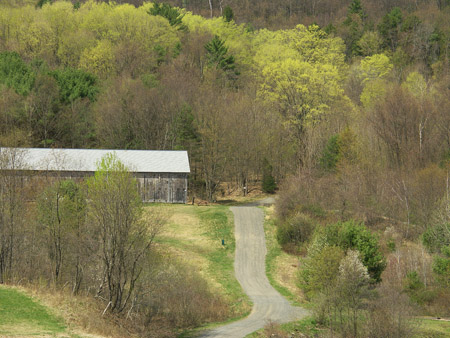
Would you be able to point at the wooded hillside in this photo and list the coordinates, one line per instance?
(345, 104)
(118, 76)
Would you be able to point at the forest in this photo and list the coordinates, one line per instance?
(345, 104)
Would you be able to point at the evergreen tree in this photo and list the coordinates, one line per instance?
(15, 73)
(330, 156)
(390, 26)
(75, 83)
(170, 13)
(355, 27)
(357, 8)
(228, 14)
(217, 55)
(43, 2)
(268, 183)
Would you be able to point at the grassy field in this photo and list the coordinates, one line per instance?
(281, 268)
(36, 311)
(195, 235)
(429, 328)
(22, 316)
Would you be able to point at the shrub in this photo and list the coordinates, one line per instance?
(320, 269)
(295, 230)
(352, 235)
(441, 267)
(182, 298)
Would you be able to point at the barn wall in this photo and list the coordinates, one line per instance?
(152, 187)
(162, 187)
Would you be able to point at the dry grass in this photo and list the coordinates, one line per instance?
(184, 237)
(281, 267)
(192, 236)
(286, 268)
(82, 314)
(62, 306)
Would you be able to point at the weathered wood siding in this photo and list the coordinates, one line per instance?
(152, 187)
(162, 187)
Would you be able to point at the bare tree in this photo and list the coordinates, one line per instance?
(125, 236)
(62, 213)
(11, 206)
(390, 315)
(405, 126)
(210, 8)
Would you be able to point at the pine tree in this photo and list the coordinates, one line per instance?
(217, 55)
(357, 8)
(170, 13)
(268, 183)
(228, 14)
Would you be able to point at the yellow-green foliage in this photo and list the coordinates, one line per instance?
(238, 39)
(375, 67)
(373, 91)
(88, 37)
(99, 60)
(416, 84)
(373, 72)
(301, 71)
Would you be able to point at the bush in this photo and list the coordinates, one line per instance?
(416, 290)
(352, 235)
(295, 230)
(181, 298)
(389, 315)
(441, 267)
(320, 269)
(314, 210)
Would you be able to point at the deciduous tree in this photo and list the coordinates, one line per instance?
(125, 236)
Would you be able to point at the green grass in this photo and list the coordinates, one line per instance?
(429, 328)
(219, 225)
(20, 315)
(273, 252)
(307, 326)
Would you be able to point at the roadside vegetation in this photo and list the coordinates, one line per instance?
(358, 280)
(281, 267)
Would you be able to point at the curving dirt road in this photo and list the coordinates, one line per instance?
(249, 267)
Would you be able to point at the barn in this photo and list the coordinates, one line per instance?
(161, 174)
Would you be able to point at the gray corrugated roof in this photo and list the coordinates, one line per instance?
(155, 161)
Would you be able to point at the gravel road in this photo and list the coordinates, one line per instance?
(249, 267)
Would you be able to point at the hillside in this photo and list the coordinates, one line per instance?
(341, 106)
(21, 316)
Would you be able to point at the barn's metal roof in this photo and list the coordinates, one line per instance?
(153, 161)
